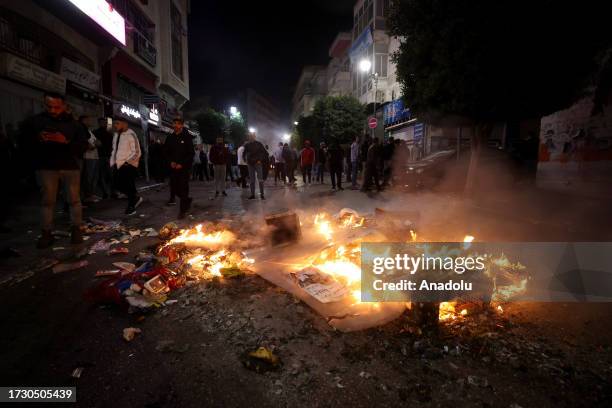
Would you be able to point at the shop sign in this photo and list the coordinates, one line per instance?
(80, 75)
(31, 74)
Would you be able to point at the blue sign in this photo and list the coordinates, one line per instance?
(395, 112)
(361, 45)
(419, 130)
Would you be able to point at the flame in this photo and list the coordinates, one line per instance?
(500, 309)
(352, 221)
(197, 237)
(447, 311)
(213, 262)
(504, 293)
(468, 238)
(323, 225)
(413, 236)
(347, 271)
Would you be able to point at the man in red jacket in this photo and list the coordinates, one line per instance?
(306, 160)
(219, 157)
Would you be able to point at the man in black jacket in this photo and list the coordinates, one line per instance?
(57, 143)
(373, 166)
(179, 154)
(256, 156)
(104, 152)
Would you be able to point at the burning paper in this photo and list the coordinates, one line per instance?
(320, 285)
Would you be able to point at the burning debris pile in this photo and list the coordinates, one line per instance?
(323, 270)
(182, 257)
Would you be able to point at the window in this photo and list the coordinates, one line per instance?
(136, 17)
(381, 62)
(176, 33)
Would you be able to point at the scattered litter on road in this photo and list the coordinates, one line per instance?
(109, 272)
(76, 373)
(65, 267)
(118, 251)
(130, 332)
(126, 266)
(261, 360)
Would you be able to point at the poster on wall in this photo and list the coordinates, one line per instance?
(574, 135)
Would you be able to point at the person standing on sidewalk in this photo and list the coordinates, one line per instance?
(197, 166)
(91, 163)
(320, 164)
(354, 157)
(104, 153)
(180, 151)
(124, 162)
(279, 164)
(256, 157)
(307, 157)
(289, 160)
(56, 142)
(335, 156)
(242, 167)
(219, 157)
(373, 166)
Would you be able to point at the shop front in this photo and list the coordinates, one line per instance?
(400, 125)
(22, 85)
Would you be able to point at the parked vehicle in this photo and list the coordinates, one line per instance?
(427, 172)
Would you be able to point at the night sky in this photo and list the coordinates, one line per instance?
(235, 44)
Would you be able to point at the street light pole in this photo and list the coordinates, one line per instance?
(364, 66)
(374, 76)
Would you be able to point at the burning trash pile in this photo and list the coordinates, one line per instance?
(183, 257)
(322, 267)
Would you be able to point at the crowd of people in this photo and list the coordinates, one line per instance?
(76, 162)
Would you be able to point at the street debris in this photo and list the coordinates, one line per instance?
(118, 251)
(130, 332)
(76, 373)
(108, 272)
(261, 360)
(65, 267)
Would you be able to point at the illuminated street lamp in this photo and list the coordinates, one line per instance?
(252, 130)
(364, 66)
(233, 110)
(286, 137)
(296, 123)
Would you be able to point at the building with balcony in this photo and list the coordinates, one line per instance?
(116, 57)
(338, 69)
(311, 86)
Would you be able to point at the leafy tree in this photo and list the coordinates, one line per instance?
(480, 61)
(339, 118)
(237, 131)
(307, 129)
(212, 124)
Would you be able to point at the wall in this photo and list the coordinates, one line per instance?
(168, 78)
(575, 152)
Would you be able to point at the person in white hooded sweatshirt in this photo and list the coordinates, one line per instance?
(124, 162)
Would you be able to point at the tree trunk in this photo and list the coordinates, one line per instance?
(479, 138)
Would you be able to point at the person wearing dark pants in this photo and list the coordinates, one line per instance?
(256, 156)
(124, 160)
(179, 153)
(354, 159)
(242, 167)
(335, 156)
(104, 152)
(372, 166)
(307, 158)
(56, 142)
(219, 157)
(321, 159)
